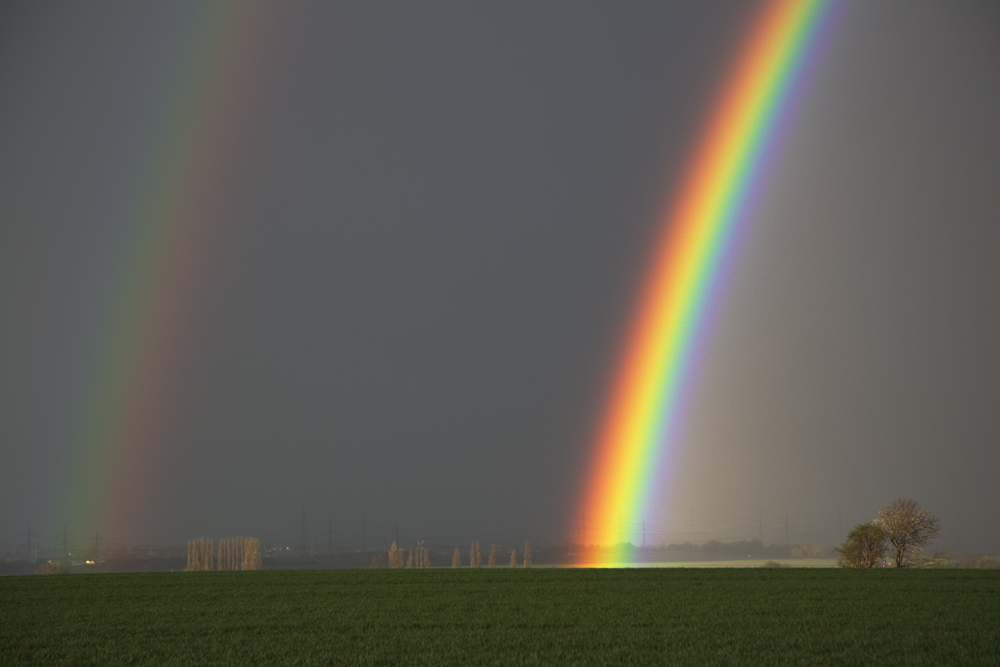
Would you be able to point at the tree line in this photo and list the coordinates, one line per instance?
(236, 553)
(419, 557)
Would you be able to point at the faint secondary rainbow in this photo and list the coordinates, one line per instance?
(636, 431)
(164, 256)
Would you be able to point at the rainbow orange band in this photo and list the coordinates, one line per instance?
(635, 433)
(168, 243)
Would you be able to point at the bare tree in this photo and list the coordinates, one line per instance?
(864, 547)
(234, 553)
(908, 528)
(201, 554)
(493, 555)
(251, 554)
(395, 556)
(456, 559)
(513, 557)
(527, 554)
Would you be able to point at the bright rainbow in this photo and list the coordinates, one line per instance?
(165, 252)
(636, 432)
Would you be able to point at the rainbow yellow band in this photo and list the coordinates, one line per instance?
(635, 432)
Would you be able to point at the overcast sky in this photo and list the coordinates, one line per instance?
(435, 225)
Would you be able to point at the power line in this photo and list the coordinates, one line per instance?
(304, 543)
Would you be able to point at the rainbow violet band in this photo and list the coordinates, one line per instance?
(634, 436)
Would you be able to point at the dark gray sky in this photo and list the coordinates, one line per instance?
(434, 231)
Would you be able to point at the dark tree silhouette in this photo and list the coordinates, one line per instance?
(864, 546)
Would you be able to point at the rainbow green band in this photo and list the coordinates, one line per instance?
(626, 473)
(122, 446)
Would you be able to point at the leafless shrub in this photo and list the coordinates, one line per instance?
(975, 561)
(939, 559)
(773, 564)
(49, 568)
(908, 529)
(988, 563)
(456, 560)
(527, 554)
(493, 556)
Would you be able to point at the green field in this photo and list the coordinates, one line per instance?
(505, 617)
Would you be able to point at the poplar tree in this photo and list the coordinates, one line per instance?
(251, 554)
(395, 556)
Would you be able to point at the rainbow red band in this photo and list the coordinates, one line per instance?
(635, 434)
(168, 249)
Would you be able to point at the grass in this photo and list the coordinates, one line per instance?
(741, 562)
(503, 616)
